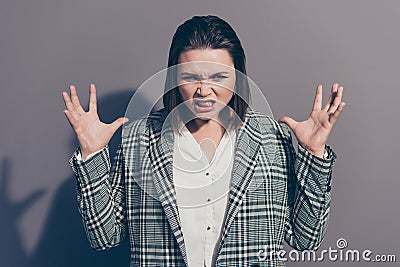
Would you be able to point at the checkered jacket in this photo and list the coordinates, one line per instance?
(276, 194)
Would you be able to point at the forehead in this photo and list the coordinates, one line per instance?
(205, 61)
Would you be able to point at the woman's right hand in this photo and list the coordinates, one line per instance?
(92, 134)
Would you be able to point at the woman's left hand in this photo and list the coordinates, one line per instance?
(313, 133)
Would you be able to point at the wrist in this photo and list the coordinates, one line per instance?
(86, 154)
(316, 151)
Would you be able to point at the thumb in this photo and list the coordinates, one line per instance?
(288, 121)
(118, 123)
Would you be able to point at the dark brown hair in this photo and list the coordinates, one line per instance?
(208, 32)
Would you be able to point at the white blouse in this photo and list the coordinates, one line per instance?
(202, 191)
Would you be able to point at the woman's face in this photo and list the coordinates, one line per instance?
(206, 79)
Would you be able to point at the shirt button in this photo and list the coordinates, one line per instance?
(208, 227)
(207, 173)
(208, 199)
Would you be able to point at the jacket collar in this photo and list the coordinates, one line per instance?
(161, 138)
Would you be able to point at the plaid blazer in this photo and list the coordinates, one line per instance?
(276, 194)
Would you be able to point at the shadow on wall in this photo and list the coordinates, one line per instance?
(63, 242)
(11, 251)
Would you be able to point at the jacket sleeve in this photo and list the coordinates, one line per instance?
(101, 197)
(309, 196)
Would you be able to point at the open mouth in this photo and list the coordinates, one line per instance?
(204, 105)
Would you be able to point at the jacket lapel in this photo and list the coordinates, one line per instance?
(248, 140)
(161, 138)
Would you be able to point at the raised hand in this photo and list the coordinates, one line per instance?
(313, 133)
(92, 134)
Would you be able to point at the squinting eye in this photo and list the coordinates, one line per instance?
(219, 77)
(190, 79)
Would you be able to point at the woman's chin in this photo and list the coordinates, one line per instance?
(213, 114)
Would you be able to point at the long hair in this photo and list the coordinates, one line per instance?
(208, 32)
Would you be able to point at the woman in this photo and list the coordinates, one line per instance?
(205, 109)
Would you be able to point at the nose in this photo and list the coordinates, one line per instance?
(203, 89)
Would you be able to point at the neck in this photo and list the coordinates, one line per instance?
(210, 125)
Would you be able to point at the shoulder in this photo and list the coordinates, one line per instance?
(141, 126)
(267, 124)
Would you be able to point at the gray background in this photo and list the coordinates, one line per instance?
(291, 46)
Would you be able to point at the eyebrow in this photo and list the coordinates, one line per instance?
(193, 74)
